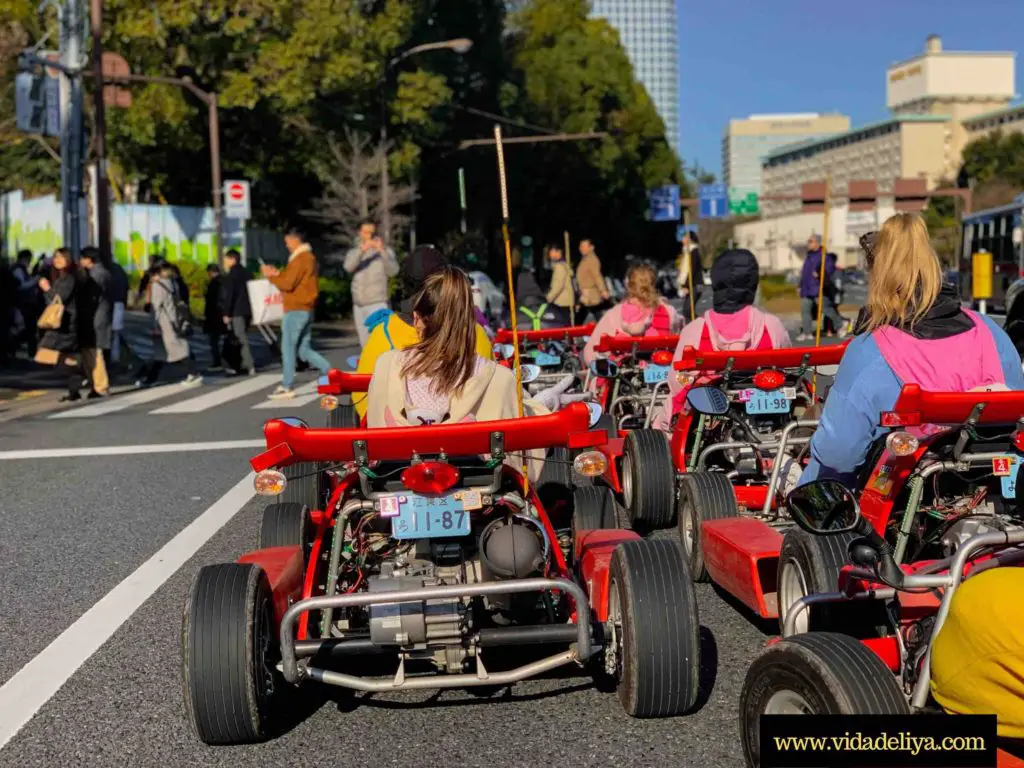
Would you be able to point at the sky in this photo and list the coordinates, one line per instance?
(742, 57)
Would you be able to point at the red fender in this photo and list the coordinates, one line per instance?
(283, 566)
(594, 550)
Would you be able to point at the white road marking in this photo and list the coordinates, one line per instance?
(221, 395)
(130, 450)
(37, 682)
(120, 402)
(303, 395)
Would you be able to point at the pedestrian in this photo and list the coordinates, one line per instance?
(119, 296)
(371, 265)
(810, 287)
(213, 315)
(171, 324)
(237, 311)
(63, 322)
(691, 273)
(98, 288)
(298, 285)
(594, 295)
(560, 293)
(26, 302)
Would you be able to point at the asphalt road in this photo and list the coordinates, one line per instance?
(100, 550)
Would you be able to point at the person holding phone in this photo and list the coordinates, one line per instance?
(372, 265)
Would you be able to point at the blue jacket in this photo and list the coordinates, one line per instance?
(809, 278)
(865, 386)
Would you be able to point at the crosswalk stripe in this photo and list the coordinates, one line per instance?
(221, 395)
(303, 395)
(120, 402)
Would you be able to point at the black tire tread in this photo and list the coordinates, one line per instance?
(217, 638)
(822, 558)
(305, 487)
(284, 525)
(343, 417)
(710, 496)
(594, 508)
(661, 642)
(653, 497)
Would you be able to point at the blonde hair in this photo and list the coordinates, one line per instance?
(640, 285)
(446, 352)
(905, 277)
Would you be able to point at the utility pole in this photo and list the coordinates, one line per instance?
(102, 193)
(72, 29)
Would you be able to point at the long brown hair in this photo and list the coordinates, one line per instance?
(446, 352)
(905, 277)
(641, 286)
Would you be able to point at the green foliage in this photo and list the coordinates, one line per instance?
(996, 157)
(775, 286)
(335, 298)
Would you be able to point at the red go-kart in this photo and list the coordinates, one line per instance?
(431, 554)
(834, 673)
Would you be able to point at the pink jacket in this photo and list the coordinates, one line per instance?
(629, 319)
(750, 328)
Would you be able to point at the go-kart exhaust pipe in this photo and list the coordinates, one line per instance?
(539, 635)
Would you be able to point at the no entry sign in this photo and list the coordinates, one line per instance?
(236, 199)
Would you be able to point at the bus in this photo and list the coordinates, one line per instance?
(993, 231)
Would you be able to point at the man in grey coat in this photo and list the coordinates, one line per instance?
(371, 265)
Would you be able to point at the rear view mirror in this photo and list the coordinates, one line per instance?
(555, 348)
(711, 401)
(604, 368)
(596, 412)
(352, 361)
(505, 351)
(823, 507)
(530, 373)
(292, 421)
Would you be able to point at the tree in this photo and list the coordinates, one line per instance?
(351, 194)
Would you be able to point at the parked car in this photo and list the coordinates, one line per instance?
(486, 295)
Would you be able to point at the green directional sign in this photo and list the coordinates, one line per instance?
(741, 204)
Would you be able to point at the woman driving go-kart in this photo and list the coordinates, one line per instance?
(913, 331)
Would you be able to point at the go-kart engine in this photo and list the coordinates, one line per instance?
(414, 623)
(976, 524)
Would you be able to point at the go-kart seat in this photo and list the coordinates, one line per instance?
(978, 657)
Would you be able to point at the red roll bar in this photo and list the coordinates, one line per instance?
(751, 360)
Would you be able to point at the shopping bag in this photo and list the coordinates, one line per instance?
(47, 356)
(52, 316)
(266, 302)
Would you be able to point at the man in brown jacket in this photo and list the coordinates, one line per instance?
(299, 289)
(594, 294)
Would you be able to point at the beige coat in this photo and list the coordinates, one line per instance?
(489, 396)
(590, 281)
(560, 293)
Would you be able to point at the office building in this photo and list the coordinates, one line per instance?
(649, 32)
(747, 142)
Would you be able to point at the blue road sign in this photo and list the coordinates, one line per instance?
(714, 201)
(664, 203)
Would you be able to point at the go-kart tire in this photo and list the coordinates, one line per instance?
(821, 673)
(648, 479)
(229, 654)
(594, 509)
(558, 479)
(307, 486)
(343, 417)
(702, 496)
(285, 525)
(653, 613)
(808, 565)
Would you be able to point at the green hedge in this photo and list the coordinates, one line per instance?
(775, 286)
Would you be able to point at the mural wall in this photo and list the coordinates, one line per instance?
(140, 232)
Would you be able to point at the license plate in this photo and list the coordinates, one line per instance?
(427, 517)
(760, 402)
(1005, 468)
(655, 374)
(543, 359)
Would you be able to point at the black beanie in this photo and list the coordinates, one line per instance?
(734, 278)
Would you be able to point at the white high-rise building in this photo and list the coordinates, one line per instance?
(650, 34)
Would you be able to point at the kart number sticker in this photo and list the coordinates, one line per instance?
(761, 402)
(789, 393)
(1005, 468)
(544, 359)
(430, 517)
(655, 374)
(470, 499)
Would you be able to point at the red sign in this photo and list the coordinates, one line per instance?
(236, 192)
(1002, 466)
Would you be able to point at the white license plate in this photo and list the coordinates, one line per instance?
(429, 517)
(767, 402)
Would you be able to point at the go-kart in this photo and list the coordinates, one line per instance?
(944, 472)
(433, 555)
(335, 385)
(556, 351)
(836, 674)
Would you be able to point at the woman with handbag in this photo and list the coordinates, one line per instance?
(60, 343)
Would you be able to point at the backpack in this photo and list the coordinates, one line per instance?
(180, 315)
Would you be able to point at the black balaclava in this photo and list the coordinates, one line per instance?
(734, 278)
(423, 262)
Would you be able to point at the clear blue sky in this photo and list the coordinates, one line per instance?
(739, 57)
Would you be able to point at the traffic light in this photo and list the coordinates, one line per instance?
(30, 102)
(862, 195)
(812, 195)
(910, 195)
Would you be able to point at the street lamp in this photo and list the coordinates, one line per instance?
(459, 45)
